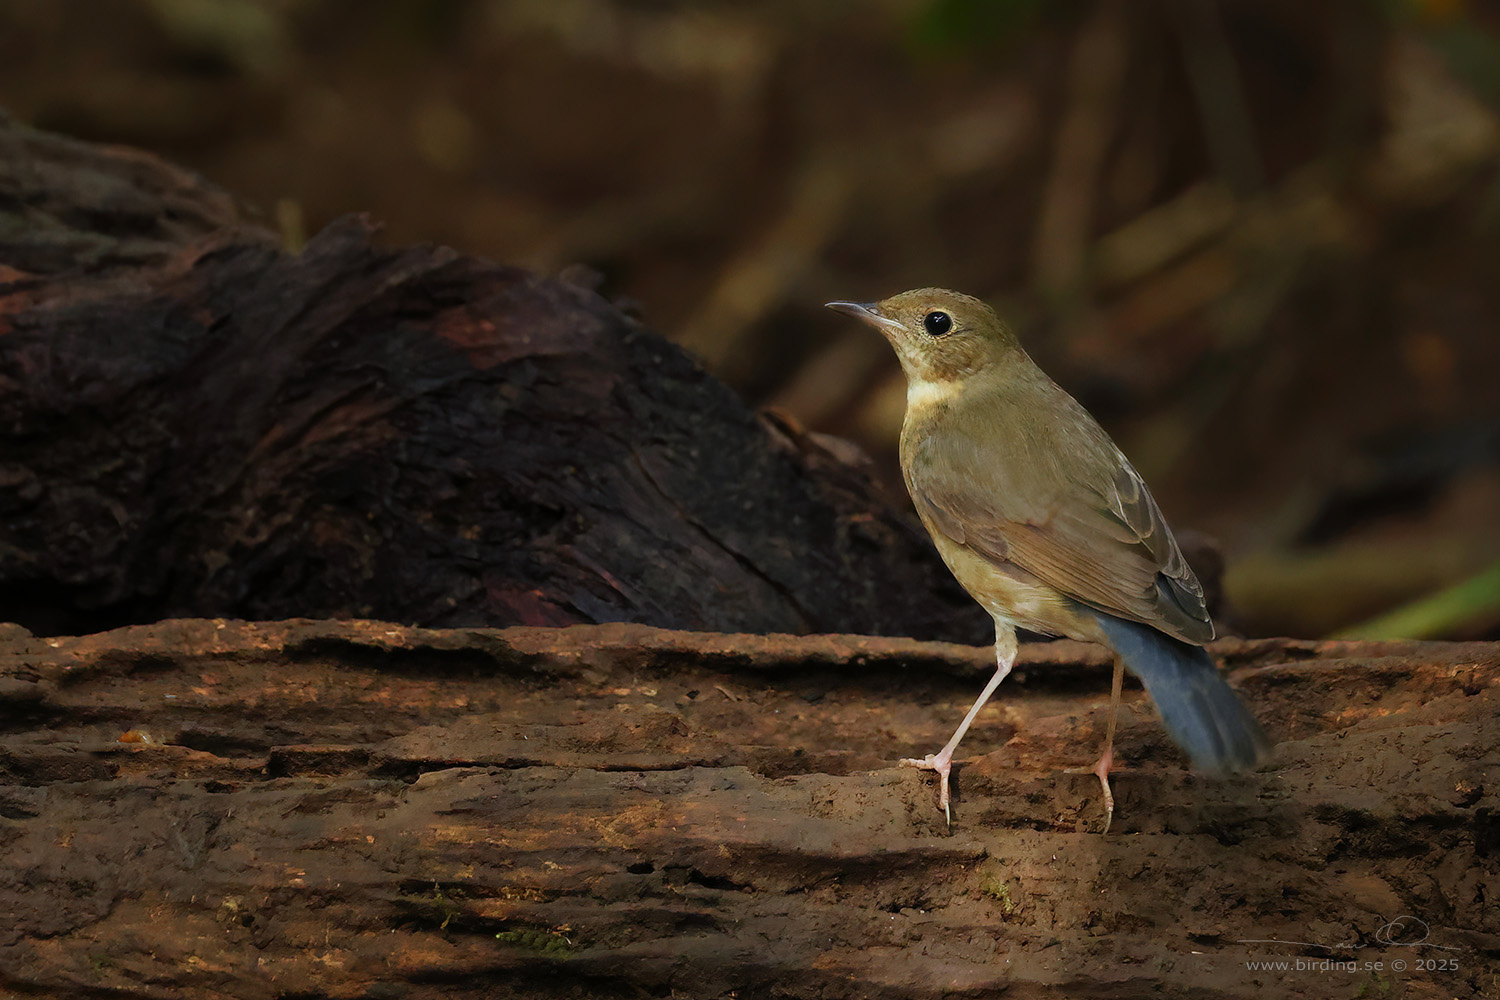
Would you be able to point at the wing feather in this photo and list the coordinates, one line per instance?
(1055, 498)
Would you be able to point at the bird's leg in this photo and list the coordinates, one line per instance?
(1107, 758)
(942, 761)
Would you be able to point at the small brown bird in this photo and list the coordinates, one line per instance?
(1046, 524)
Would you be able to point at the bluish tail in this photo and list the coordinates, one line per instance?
(1202, 714)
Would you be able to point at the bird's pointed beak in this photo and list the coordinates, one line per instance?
(868, 312)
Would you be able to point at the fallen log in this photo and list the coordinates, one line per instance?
(324, 809)
(194, 421)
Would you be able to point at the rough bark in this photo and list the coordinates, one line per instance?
(216, 809)
(196, 422)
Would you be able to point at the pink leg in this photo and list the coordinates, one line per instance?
(1107, 758)
(942, 761)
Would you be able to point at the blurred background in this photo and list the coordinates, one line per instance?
(1260, 240)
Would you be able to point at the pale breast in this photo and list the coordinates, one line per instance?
(1012, 595)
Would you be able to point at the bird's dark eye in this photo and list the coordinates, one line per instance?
(937, 323)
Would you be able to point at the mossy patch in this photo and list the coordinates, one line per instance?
(993, 886)
(542, 941)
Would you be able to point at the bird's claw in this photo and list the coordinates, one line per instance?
(942, 765)
(1101, 771)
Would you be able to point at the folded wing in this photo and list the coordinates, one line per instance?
(1060, 501)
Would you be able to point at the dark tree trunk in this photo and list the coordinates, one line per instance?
(195, 422)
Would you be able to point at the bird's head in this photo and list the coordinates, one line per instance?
(942, 338)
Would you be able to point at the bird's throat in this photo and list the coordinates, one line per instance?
(925, 394)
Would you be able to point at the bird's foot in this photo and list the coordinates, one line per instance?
(1101, 770)
(942, 763)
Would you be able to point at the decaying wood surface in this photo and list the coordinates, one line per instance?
(196, 422)
(220, 809)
